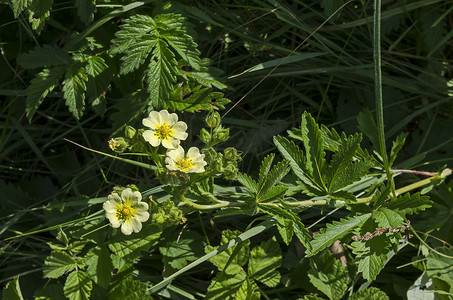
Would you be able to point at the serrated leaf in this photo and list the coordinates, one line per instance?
(341, 159)
(86, 10)
(100, 265)
(95, 66)
(74, 87)
(180, 249)
(161, 74)
(273, 193)
(248, 182)
(409, 204)
(51, 291)
(46, 56)
(328, 275)
(370, 265)
(199, 99)
(396, 147)
(265, 167)
(371, 254)
(332, 140)
(38, 13)
(297, 226)
(231, 260)
(314, 148)
(270, 179)
(385, 218)
(295, 156)
(19, 6)
(40, 87)
(129, 289)
(263, 262)
(225, 286)
(335, 231)
(248, 291)
(285, 228)
(370, 293)
(353, 172)
(12, 290)
(206, 79)
(78, 286)
(380, 196)
(57, 264)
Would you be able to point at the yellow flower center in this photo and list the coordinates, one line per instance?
(125, 212)
(164, 131)
(184, 164)
(113, 144)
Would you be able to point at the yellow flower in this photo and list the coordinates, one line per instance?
(192, 162)
(164, 128)
(126, 211)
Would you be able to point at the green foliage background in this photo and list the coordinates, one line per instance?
(83, 70)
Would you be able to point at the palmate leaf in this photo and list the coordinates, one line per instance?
(314, 148)
(409, 204)
(336, 231)
(46, 56)
(248, 182)
(353, 172)
(268, 179)
(40, 87)
(328, 275)
(341, 160)
(78, 286)
(264, 261)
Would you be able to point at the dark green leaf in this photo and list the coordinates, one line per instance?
(100, 265)
(180, 249)
(225, 286)
(370, 293)
(368, 126)
(129, 289)
(439, 266)
(86, 10)
(78, 286)
(57, 264)
(19, 6)
(12, 290)
(263, 262)
(409, 204)
(74, 87)
(46, 56)
(396, 147)
(38, 13)
(248, 182)
(385, 218)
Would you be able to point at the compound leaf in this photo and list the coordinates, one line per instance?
(78, 286)
(57, 264)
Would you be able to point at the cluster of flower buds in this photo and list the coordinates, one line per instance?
(166, 213)
(226, 163)
(217, 134)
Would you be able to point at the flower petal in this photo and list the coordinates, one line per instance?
(152, 121)
(136, 225)
(150, 137)
(127, 227)
(113, 219)
(128, 194)
(110, 206)
(170, 143)
(179, 130)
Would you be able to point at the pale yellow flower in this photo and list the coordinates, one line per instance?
(164, 128)
(192, 162)
(126, 211)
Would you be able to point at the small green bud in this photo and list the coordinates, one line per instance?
(213, 119)
(209, 154)
(205, 136)
(118, 144)
(230, 172)
(129, 132)
(231, 154)
(222, 134)
(217, 164)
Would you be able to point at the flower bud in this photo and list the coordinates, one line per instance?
(230, 172)
(231, 154)
(118, 144)
(129, 132)
(209, 154)
(213, 119)
(205, 136)
(222, 134)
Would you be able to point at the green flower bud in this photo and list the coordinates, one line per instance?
(217, 164)
(118, 144)
(230, 172)
(209, 154)
(213, 119)
(231, 154)
(222, 134)
(129, 132)
(205, 136)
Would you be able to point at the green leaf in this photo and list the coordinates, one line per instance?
(225, 286)
(352, 173)
(264, 261)
(161, 73)
(51, 291)
(328, 275)
(40, 87)
(248, 291)
(231, 260)
(314, 150)
(199, 99)
(285, 228)
(38, 13)
(340, 161)
(385, 218)
(297, 226)
(396, 147)
(248, 182)
(423, 289)
(268, 180)
(295, 156)
(57, 264)
(370, 293)
(19, 6)
(74, 87)
(335, 231)
(332, 140)
(381, 196)
(439, 266)
(266, 165)
(12, 290)
(409, 204)
(273, 193)
(46, 56)
(205, 78)
(100, 265)
(86, 10)
(311, 297)
(129, 289)
(78, 286)
(180, 249)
